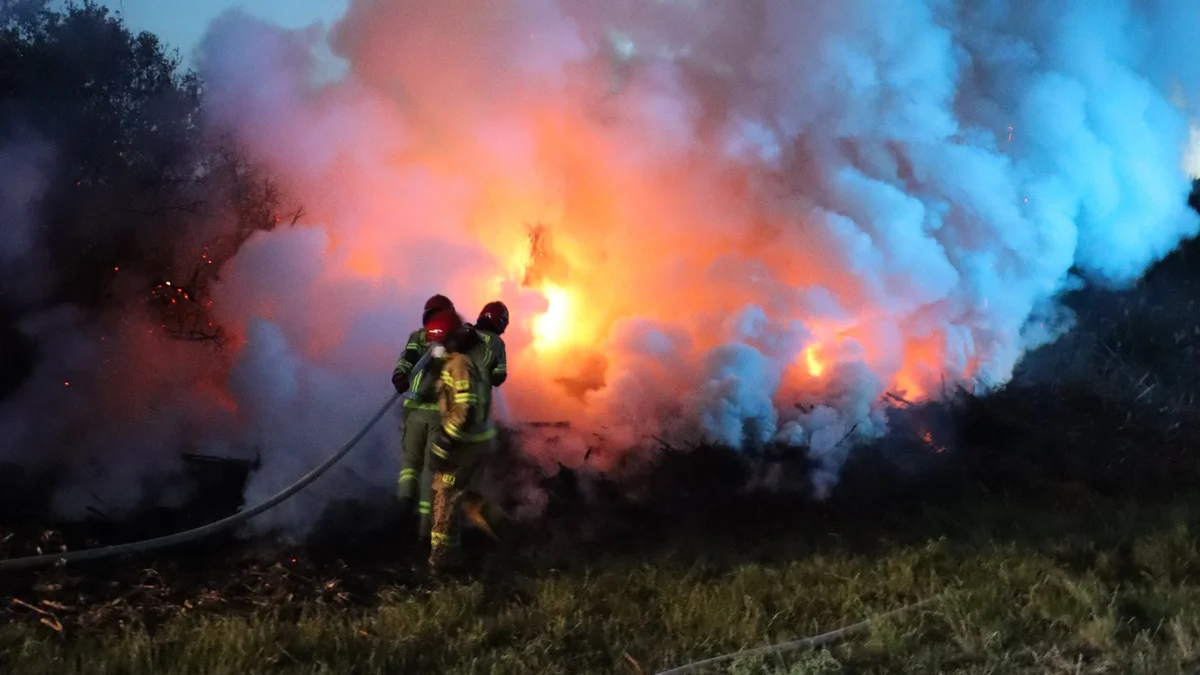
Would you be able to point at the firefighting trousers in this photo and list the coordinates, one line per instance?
(416, 479)
(454, 491)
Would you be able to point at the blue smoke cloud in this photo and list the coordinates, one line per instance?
(957, 159)
(930, 174)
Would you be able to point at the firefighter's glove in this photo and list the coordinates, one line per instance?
(400, 382)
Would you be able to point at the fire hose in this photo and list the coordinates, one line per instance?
(216, 526)
(813, 642)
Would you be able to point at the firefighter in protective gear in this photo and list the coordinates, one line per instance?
(493, 320)
(465, 437)
(421, 420)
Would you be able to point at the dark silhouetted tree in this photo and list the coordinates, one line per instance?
(132, 182)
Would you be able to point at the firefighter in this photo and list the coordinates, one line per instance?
(462, 441)
(493, 319)
(421, 419)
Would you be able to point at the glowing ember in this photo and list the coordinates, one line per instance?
(928, 438)
(815, 366)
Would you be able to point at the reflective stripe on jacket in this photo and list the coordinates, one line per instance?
(421, 384)
(464, 399)
(493, 361)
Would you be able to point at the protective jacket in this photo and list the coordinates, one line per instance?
(492, 359)
(464, 398)
(420, 384)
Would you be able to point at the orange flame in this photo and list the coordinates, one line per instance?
(552, 328)
(813, 362)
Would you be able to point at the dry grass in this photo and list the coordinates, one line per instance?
(1030, 589)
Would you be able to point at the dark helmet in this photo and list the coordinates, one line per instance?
(493, 317)
(434, 305)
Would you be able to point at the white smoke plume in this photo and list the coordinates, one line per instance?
(1191, 159)
(758, 216)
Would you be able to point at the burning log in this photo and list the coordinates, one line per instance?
(897, 398)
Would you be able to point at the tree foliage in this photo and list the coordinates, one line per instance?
(134, 184)
(124, 127)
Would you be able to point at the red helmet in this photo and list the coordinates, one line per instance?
(443, 324)
(435, 304)
(494, 316)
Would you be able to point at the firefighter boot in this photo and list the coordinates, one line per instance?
(405, 518)
(446, 559)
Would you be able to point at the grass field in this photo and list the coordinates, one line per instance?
(1098, 586)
